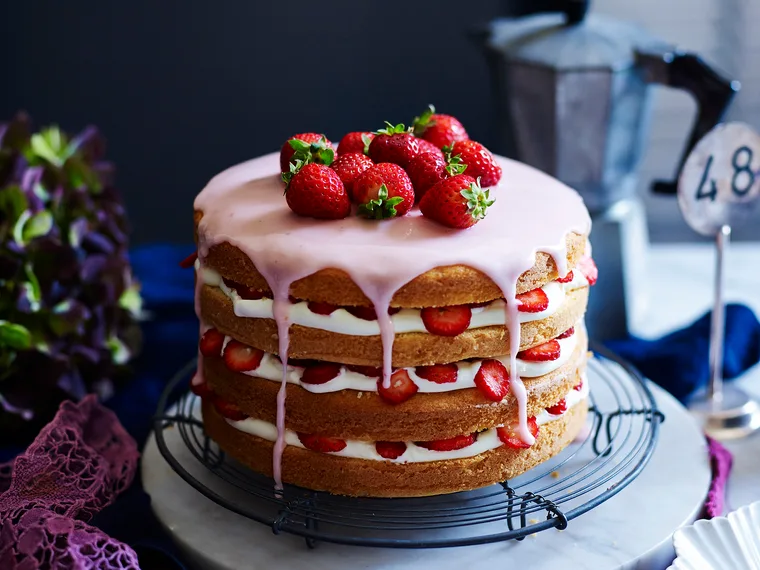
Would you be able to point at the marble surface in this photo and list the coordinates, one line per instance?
(679, 290)
(631, 530)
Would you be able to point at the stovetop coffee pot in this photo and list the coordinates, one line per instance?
(573, 99)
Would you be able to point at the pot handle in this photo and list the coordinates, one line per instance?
(712, 91)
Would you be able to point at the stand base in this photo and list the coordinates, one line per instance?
(735, 416)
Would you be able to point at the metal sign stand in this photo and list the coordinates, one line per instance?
(717, 189)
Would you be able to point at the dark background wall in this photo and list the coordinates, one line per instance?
(184, 89)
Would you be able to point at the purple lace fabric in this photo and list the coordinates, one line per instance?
(720, 462)
(77, 465)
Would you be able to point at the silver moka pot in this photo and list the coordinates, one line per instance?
(572, 99)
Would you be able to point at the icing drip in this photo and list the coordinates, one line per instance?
(281, 308)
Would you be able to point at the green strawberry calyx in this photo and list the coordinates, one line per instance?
(295, 168)
(382, 207)
(454, 164)
(320, 152)
(421, 123)
(478, 200)
(391, 129)
(367, 140)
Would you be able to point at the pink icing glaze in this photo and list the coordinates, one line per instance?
(533, 212)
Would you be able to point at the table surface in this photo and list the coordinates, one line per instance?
(679, 288)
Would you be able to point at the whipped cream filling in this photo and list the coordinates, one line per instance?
(405, 321)
(270, 368)
(486, 440)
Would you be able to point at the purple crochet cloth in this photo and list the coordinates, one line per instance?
(77, 465)
(720, 462)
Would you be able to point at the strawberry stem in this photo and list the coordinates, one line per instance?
(423, 121)
(319, 152)
(382, 207)
(478, 200)
(391, 129)
(288, 176)
(366, 139)
(454, 164)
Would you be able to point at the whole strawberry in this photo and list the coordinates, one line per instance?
(383, 191)
(456, 202)
(357, 141)
(349, 166)
(441, 130)
(427, 169)
(306, 147)
(394, 144)
(479, 161)
(316, 191)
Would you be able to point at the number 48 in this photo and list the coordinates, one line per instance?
(741, 170)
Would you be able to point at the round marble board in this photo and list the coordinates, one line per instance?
(632, 530)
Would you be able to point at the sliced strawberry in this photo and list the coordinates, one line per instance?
(579, 386)
(568, 333)
(589, 270)
(438, 373)
(322, 308)
(493, 380)
(566, 279)
(201, 388)
(369, 371)
(244, 291)
(211, 343)
(320, 373)
(541, 353)
(390, 449)
(451, 444)
(510, 437)
(533, 301)
(292, 300)
(401, 389)
(321, 443)
(447, 321)
(229, 410)
(558, 409)
(364, 313)
(240, 357)
(189, 261)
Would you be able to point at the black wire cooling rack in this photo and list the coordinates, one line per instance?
(623, 426)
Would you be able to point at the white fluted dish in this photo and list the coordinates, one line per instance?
(723, 543)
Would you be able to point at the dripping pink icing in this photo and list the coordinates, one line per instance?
(533, 212)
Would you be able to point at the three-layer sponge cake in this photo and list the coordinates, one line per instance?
(420, 359)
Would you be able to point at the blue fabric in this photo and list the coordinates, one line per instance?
(679, 361)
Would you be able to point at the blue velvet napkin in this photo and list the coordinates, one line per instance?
(679, 361)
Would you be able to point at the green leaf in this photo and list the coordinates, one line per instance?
(131, 300)
(18, 227)
(36, 226)
(478, 200)
(13, 203)
(35, 293)
(15, 336)
(320, 152)
(299, 146)
(393, 129)
(51, 146)
(381, 207)
(119, 351)
(423, 121)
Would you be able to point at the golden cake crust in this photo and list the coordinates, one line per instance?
(350, 414)
(453, 285)
(359, 477)
(409, 349)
